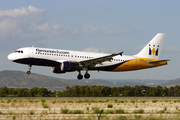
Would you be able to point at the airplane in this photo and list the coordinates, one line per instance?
(63, 61)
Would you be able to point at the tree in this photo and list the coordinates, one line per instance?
(137, 91)
(3, 91)
(34, 91)
(43, 92)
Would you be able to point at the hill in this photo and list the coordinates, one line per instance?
(172, 83)
(18, 79)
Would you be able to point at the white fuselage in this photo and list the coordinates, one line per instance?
(28, 54)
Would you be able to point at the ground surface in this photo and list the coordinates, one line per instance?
(86, 108)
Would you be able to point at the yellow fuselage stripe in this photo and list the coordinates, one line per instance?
(138, 63)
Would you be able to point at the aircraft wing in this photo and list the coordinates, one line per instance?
(92, 62)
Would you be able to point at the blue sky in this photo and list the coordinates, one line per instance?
(108, 26)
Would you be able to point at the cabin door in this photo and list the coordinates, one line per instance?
(31, 52)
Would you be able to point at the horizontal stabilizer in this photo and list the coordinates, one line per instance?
(154, 62)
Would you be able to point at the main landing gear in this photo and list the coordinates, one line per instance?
(86, 75)
(29, 72)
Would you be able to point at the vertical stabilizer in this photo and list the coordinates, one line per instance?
(153, 48)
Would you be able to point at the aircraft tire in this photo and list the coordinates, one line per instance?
(28, 72)
(80, 77)
(87, 76)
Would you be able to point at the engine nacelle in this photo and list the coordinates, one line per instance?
(65, 67)
(68, 66)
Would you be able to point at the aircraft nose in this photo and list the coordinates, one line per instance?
(10, 57)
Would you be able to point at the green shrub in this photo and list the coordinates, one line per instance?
(86, 100)
(87, 108)
(31, 100)
(70, 101)
(10, 112)
(163, 111)
(121, 101)
(78, 112)
(110, 106)
(14, 117)
(139, 111)
(177, 100)
(31, 112)
(64, 111)
(92, 101)
(154, 101)
(143, 101)
(45, 105)
(119, 111)
(109, 112)
(0, 112)
(53, 102)
(165, 108)
(133, 101)
(101, 101)
(96, 109)
(138, 116)
(116, 101)
(43, 100)
(122, 118)
(62, 101)
(107, 100)
(8, 100)
(44, 112)
(79, 101)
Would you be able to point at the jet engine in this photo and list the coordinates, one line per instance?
(65, 67)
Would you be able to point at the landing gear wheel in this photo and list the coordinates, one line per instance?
(80, 77)
(28, 72)
(87, 76)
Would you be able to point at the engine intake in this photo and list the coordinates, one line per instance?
(57, 69)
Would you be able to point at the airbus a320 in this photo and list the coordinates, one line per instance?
(63, 61)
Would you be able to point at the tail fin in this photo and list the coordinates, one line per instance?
(153, 48)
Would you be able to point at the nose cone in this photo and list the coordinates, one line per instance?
(11, 57)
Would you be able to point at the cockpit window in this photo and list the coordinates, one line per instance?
(19, 51)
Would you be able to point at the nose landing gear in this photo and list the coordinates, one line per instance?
(29, 72)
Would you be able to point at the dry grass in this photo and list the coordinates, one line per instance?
(76, 109)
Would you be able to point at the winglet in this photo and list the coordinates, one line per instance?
(121, 53)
